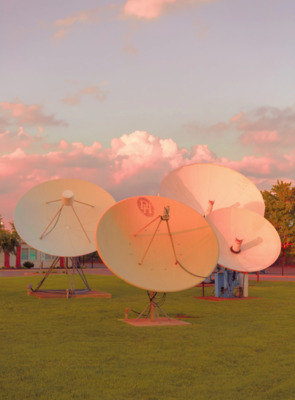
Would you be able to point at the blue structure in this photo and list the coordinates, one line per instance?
(227, 284)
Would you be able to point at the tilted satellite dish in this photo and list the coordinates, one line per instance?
(209, 187)
(59, 217)
(247, 241)
(156, 243)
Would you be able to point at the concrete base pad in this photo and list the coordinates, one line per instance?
(158, 322)
(213, 298)
(57, 294)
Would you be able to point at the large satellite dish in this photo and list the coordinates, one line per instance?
(209, 187)
(247, 241)
(59, 217)
(156, 243)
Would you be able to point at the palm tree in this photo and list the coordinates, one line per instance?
(14, 239)
(9, 241)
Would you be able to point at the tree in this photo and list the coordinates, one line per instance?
(14, 238)
(280, 211)
(5, 243)
(9, 240)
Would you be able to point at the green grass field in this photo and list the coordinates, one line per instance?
(78, 349)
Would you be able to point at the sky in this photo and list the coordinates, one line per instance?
(122, 92)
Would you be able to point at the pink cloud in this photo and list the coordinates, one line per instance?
(133, 164)
(264, 183)
(83, 17)
(21, 113)
(93, 91)
(60, 34)
(11, 140)
(201, 153)
(151, 9)
(63, 145)
(80, 148)
(64, 25)
(260, 137)
(266, 126)
(237, 117)
(253, 165)
(217, 128)
(140, 150)
(147, 9)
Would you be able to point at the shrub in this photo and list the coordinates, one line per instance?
(28, 264)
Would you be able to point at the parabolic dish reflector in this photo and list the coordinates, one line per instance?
(59, 217)
(254, 241)
(207, 187)
(156, 243)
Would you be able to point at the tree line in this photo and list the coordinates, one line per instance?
(280, 211)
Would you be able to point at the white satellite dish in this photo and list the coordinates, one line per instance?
(247, 241)
(156, 243)
(209, 187)
(59, 217)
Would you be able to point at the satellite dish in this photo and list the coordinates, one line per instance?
(156, 243)
(59, 217)
(247, 241)
(209, 187)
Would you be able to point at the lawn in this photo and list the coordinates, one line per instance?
(78, 349)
